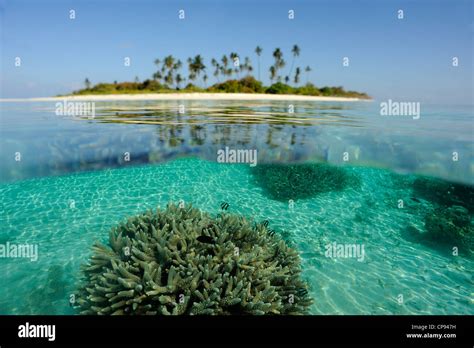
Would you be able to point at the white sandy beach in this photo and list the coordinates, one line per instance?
(184, 96)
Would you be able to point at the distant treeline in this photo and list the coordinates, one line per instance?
(245, 85)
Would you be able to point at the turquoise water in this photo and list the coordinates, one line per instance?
(40, 211)
(68, 192)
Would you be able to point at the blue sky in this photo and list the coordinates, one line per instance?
(407, 59)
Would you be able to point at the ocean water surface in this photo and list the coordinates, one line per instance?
(65, 181)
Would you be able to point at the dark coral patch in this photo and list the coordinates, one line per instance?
(444, 193)
(453, 226)
(298, 181)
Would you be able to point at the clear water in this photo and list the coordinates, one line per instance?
(72, 185)
(154, 131)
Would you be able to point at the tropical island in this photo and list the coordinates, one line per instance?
(231, 76)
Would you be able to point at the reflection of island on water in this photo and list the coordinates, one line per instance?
(277, 133)
(138, 134)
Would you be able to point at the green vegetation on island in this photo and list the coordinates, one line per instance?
(231, 76)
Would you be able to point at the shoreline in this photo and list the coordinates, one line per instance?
(184, 96)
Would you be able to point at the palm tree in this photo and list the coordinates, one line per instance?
(234, 56)
(204, 78)
(168, 62)
(201, 68)
(258, 51)
(248, 65)
(178, 79)
(176, 67)
(279, 62)
(169, 78)
(307, 69)
(217, 68)
(191, 69)
(224, 69)
(287, 79)
(87, 83)
(241, 68)
(296, 52)
(297, 76)
(157, 75)
(170, 65)
(196, 67)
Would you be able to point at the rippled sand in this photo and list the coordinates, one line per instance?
(66, 214)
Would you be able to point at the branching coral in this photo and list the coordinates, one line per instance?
(183, 261)
(297, 181)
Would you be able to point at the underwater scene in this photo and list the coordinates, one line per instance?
(225, 207)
